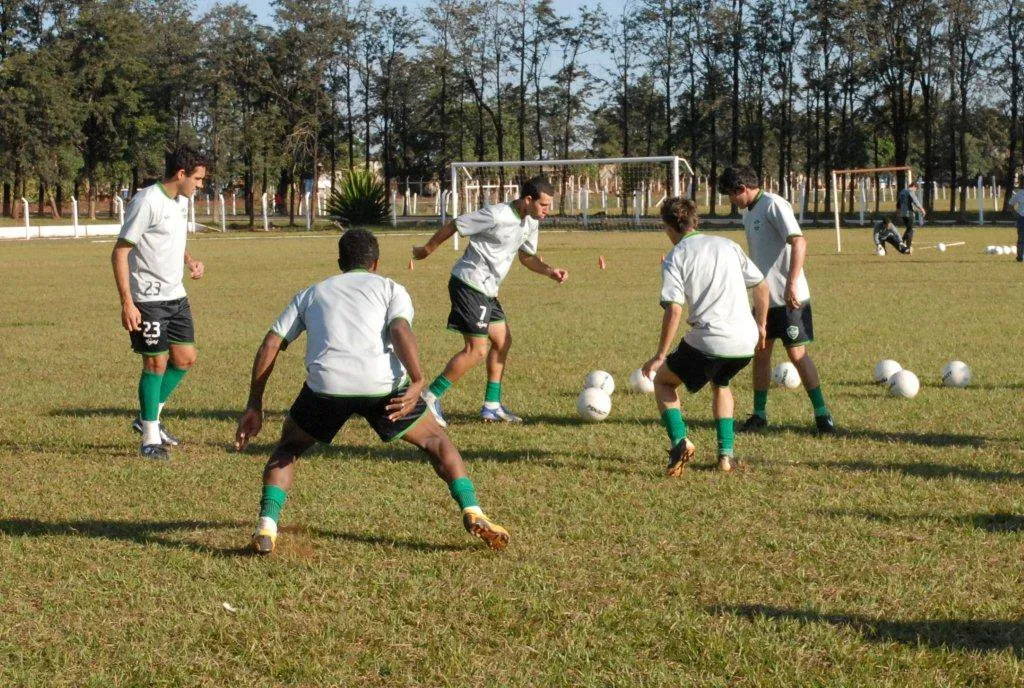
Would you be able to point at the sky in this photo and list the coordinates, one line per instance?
(265, 12)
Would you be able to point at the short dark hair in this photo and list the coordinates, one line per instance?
(535, 186)
(357, 248)
(183, 158)
(888, 219)
(732, 178)
(679, 213)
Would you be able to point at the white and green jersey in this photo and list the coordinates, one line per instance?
(157, 226)
(348, 346)
(769, 223)
(496, 235)
(710, 276)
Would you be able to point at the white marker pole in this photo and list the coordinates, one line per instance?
(980, 196)
(266, 220)
(74, 215)
(223, 220)
(28, 226)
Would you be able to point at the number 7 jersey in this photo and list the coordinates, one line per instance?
(157, 226)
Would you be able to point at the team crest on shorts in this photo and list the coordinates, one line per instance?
(792, 331)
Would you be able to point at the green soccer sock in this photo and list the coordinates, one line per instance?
(672, 419)
(493, 393)
(439, 386)
(724, 429)
(761, 403)
(149, 395)
(463, 492)
(272, 502)
(172, 378)
(818, 402)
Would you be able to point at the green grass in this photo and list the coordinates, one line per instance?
(888, 556)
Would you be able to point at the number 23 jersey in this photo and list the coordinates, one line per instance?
(157, 226)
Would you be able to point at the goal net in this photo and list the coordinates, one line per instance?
(865, 194)
(592, 193)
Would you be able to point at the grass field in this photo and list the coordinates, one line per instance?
(890, 555)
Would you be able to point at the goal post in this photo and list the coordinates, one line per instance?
(589, 192)
(863, 173)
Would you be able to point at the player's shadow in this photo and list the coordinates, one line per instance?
(926, 439)
(923, 469)
(174, 534)
(972, 635)
(993, 523)
(179, 412)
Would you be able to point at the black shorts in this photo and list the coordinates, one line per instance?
(322, 416)
(472, 312)
(793, 327)
(163, 323)
(696, 368)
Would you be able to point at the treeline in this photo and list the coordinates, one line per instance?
(91, 93)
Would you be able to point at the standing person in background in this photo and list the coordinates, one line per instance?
(778, 248)
(909, 207)
(149, 260)
(1017, 203)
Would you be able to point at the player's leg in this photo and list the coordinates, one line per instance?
(151, 341)
(799, 333)
(278, 477)
(758, 419)
(474, 351)
(723, 409)
(1020, 239)
(447, 463)
(501, 341)
(684, 366)
(908, 234)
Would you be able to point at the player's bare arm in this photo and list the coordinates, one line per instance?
(762, 297)
(131, 319)
(440, 236)
(196, 268)
(798, 246)
(252, 419)
(669, 326)
(404, 341)
(536, 264)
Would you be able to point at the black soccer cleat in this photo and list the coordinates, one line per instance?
(825, 424)
(755, 423)
(155, 452)
(678, 457)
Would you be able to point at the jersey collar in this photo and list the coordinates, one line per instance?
(760, 195)
(164, 189)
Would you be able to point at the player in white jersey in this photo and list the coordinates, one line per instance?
(709, 276)
(497, 234)
(1017, 203)
(149, 260)
(361, 359)
(778, 247)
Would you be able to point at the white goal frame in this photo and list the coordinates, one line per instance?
(860, 171)
(677, 163)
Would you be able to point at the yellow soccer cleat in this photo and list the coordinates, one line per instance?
(479, 525)
(263, 542)
(679, 456)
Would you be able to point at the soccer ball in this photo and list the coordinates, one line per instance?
(880, 250)
(941, 247)
(956, 374)
(639, 382)
(593, 404)
(785, 375)
(885, 369)
(999, 250)
(904, 384)
(598, 379)
(990, 250)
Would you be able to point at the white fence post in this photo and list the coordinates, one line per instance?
(192, 213)
(74, 215)
(119, 204)
(979, 194)
(266, 220)
(394, 208)
(233, 207)
(28, 226)
(309, 212)
(223, 220)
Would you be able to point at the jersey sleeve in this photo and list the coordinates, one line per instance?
(138, 217)
(781, 217)
(529, 245)
(752, 276)
(475, 222)
(289, 325)
(671, 285)
(400, 306)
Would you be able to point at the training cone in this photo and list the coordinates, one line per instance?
(601, 263)
(411, 264)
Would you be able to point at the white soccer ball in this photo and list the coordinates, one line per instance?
(1013, 250)
(880, 250)
(598, 379)
(593, 404)
(990, 250)
(904, 384)
(638, 382)
(785, 375)
(941, 247)
(997, 250)
(885, 369)
(1007, 250)
(956, 374)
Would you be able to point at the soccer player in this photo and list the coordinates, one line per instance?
(885, 233)
(149, 259)
(1017, 203)
(710, 276)
(909, 207)
(778, 248)
(497, 234)
(361, 359)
